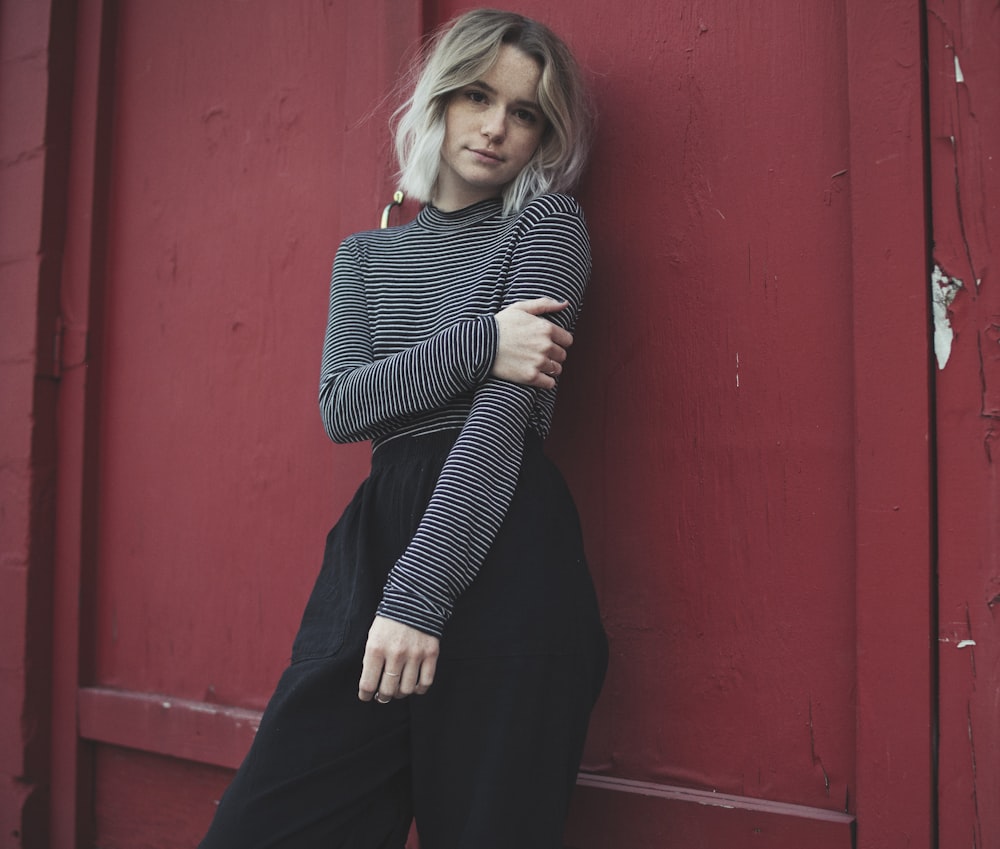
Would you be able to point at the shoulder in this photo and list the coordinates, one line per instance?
(554, 218)
(380, 236)
(366, 242)
(551, 205)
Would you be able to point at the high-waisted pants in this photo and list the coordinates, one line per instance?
(487, 758)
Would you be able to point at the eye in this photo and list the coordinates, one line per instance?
(526, 115)
(475, 95)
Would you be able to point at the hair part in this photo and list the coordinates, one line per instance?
(461, 53)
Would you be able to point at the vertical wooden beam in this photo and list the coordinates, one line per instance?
(894, 579)
(34, 133)
(963, 62)
(80, 311)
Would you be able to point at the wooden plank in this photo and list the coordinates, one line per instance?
(963, 57)
(610, 813)
(892, 534)
(80, 307)
(34, 134)
(196, 731)
(607, 812)
(144, 800)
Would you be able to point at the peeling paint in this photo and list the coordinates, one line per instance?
(959, 77)
(943, 292)
(964, 644)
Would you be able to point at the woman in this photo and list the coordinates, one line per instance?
(455, 581)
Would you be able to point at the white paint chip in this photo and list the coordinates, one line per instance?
(959, 77)
(964, 644)
(943, 292)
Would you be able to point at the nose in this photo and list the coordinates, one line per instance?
(495, 125)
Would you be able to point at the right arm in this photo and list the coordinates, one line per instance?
(362, 397)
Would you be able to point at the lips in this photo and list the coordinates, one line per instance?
(486, 154)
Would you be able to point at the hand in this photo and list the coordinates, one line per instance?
(531, 349)
(399, 661)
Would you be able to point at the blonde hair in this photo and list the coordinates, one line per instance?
(461, 53)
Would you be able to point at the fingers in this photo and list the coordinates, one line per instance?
(531, 349)
(398, 662)
(560, 337)
(561, 340)
(380, 682)
(540, 306)
(371, 675)
(426, 676)
(541, 371)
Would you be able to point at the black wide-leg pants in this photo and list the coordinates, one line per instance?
(488, 757)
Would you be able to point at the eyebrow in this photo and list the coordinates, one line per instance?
(519, 102)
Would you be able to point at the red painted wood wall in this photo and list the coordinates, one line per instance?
(964, 144)
(780, 490)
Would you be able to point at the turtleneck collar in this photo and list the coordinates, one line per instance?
(433, 219)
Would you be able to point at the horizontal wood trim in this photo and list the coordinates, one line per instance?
(206, 733)
(607, 812)
(708, 797)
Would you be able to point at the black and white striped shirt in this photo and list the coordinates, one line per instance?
(409, 345)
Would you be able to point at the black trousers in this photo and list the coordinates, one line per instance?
(488, 757)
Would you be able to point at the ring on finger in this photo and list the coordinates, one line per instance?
(391, 674)
(380, 700)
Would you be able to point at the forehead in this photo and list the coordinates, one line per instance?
(515, 74)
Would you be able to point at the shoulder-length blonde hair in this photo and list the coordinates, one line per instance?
(461, 53)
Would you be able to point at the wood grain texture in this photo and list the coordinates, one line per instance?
(745, 419)
(963, 69)
(892, 462)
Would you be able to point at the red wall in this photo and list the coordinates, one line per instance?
(33, 140)
(964, 63)
(746, 420)
(717, 479)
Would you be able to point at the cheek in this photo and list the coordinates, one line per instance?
(452, 120)
(531, 144)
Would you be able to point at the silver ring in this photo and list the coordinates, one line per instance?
(380, 700)
(391, 674)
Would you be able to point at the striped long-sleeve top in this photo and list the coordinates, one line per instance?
(409, 345)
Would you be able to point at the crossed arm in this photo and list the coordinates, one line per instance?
(401, 660)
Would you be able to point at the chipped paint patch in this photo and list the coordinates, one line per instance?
(959, 77)
(943, 292)
(964, 644)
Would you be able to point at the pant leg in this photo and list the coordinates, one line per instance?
(498, 738)
(496, 748)
(326, 771)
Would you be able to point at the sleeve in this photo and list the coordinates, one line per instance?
(361, 397)
(477, 482)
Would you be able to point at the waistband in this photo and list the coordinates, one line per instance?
(431, 446)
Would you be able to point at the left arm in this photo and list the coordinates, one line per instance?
(477, 482)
